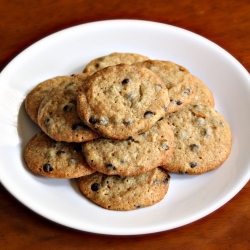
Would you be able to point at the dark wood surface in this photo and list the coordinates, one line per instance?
(225, 22)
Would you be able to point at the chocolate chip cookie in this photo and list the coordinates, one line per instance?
(122, 101)
(67, 82)
(115, 192)
(49, 158)
(37, 94)
(133, 156)
(58, 116)
(203, 140)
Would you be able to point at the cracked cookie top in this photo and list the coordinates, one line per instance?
(47, 157)
(203, 139)
(122, 101)
(135, 155)
(58, 117)
(124, 193)
(177, 79)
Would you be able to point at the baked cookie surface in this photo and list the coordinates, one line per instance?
(122, 101)
(49, 158)
(66, 82)
(203, 94)
(58, 116)
(37, 94)
(113, 59)
(134, 155)
(177, 79)
(203, 140)
(115, 192)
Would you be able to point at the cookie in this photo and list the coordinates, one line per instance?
(113, 59)
(114, 192)
(37, 94)
(134, 155)
(66, 82)
(177, 79)
(203, 94)
(58, 117)
(49, 158)
(203, 140)
(122, 101)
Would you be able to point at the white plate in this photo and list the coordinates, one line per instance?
(190, 197)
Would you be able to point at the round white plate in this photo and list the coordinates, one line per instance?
(68, 51)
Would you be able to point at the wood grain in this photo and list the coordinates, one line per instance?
(226, 23)
(226, 228)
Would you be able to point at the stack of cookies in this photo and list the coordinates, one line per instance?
(122, 125)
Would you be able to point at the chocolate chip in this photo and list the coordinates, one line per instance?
(148, 114)
(127, 122)
(193, 164)
(159, 86)
(165, 146)
(47, 122)
(130, 138)
(208, 131)
(73, 160)
(125, 81)
(187, 91)
(97, 65)
(110, 167)
(179, 103)
(194, 147)
(95, 187)
(61, 152)
(130, 96)
(93, 120)
(104, 122)
(183, 172)
(76, 126)
(156, 182)
(47, 168)
(200, 121)
(165, 181)
(67, 108)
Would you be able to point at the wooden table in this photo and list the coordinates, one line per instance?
(225, 22)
